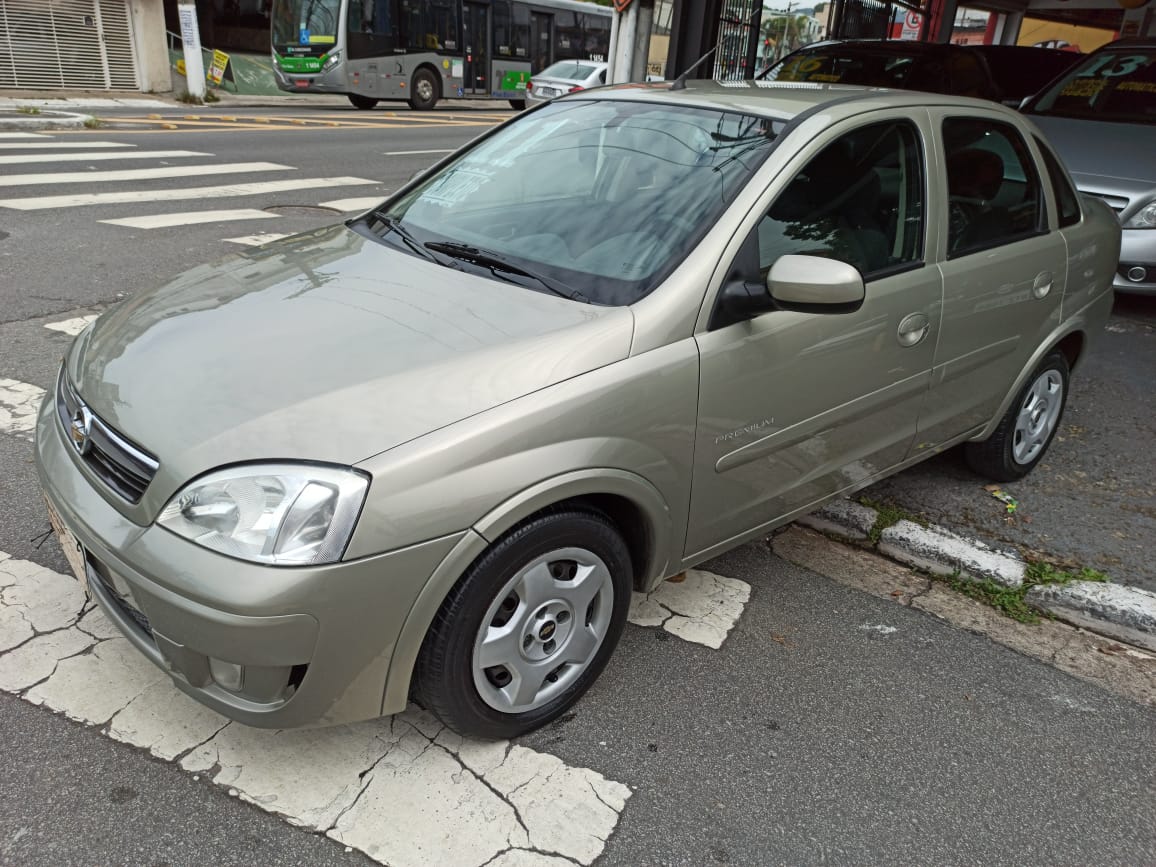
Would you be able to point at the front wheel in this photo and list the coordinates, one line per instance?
(365, 103)
(529, 627)
(1027, 429)
(517, 104)
(423, 90)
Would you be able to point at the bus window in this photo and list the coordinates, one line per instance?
(521, 40)
(567, 36)
(430, 25)
(372, 26)
(502, 28)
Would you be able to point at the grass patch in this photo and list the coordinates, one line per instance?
(211, 96)
(1012, 601)
(94, 123)
(28, 109)
(887, 515)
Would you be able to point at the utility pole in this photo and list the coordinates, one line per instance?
(191, 45)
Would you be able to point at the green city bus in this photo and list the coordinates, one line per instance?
(423, 50)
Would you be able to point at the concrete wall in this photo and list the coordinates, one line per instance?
(148, 24)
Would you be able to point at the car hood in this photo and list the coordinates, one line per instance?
(1126, 169)
(325, 347)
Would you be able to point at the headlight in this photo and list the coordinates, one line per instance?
(1145, 218)
(282, 514)
(331, 61)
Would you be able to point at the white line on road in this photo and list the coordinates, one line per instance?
(390, 787)
(21, 135)
(38, 203)
(256, 240)
(140, 174)
(189, 218)
(71, 326)
(353, 204)
(21, 159)
(702, 607)
(415, 153)
(19, 403)
(56, 145)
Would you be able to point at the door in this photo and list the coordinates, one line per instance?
(476, 19)
(795, 405)
(540, 41)
(1004, 273)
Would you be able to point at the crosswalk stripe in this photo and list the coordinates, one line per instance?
(71, 326)
(353, 204)
(39, 203)
(188, 218)
(21, 135)
(139, 174)
(19, 403)
(21, 159)
(62, 145)
(256, 240)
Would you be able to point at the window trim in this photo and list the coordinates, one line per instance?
(1052, 160)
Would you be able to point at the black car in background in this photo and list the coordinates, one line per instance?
(1003, 73)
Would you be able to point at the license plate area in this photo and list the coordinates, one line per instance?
(69, 544)
(548, 91)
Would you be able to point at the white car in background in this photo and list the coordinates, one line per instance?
(565, 76)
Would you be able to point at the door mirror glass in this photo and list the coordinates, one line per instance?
(810, 281)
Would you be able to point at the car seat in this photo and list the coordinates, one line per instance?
(974, 179)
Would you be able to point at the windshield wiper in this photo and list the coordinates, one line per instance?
(497, 262)
(394, 225)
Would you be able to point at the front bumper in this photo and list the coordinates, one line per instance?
(1137, 259)
(314, 643)
(331, 81)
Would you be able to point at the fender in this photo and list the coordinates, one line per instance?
(508, 514)
(1087, 322)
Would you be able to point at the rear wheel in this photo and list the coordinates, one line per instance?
(517, 104)
(1027, 429)
(529, 628)
(365, 103)
(423, 91)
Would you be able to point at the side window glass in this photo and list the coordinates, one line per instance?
(861, 201)
(1067, 201)
(992, 186)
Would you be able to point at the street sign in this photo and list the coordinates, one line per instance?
(217, 66)
(912, 25)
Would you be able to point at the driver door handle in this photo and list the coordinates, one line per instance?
(913, 329)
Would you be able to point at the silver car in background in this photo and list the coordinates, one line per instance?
(1101, 118)
(565, 76)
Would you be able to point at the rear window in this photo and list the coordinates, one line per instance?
(568, 71)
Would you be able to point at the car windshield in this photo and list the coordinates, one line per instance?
(1115, 85)
(603, 197)
(568, 70)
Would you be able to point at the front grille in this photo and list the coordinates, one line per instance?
(121, 464)
(98, 574)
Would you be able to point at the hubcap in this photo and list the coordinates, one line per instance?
(425, 90)
(1038, 416)
(543, 630)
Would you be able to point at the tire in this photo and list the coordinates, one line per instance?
(365, 103)
(1027, 429)
(525, 593)
(518, 104)
(424, 89)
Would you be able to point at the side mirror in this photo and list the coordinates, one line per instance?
(815, 284)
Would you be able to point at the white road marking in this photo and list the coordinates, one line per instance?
(881, 628)
(21, 135)
(85, 157)
(139, 174)
(415, 153)
(71, 326)
(189, 218)
(61, 145)
(353, 204)
(19, 403)
(404, 790)
(702, 608)
(38, 203)
(256, 240)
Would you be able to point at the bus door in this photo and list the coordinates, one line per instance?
(476, 19)
(540, 41)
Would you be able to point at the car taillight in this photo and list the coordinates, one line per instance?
(530, 85)
(576, 88)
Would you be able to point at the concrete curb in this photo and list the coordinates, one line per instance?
(44, 120)
(1118, 611)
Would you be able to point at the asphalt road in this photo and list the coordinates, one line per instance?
(812, 736)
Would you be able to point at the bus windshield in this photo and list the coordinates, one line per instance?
(1116, 85)
(603, 196)
(305, 24)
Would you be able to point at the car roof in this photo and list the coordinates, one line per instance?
(783, 100)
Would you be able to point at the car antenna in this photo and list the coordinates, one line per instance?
(680, 82)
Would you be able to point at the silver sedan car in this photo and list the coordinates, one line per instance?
(431, 452)
(1101, 118)
(565, 76)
